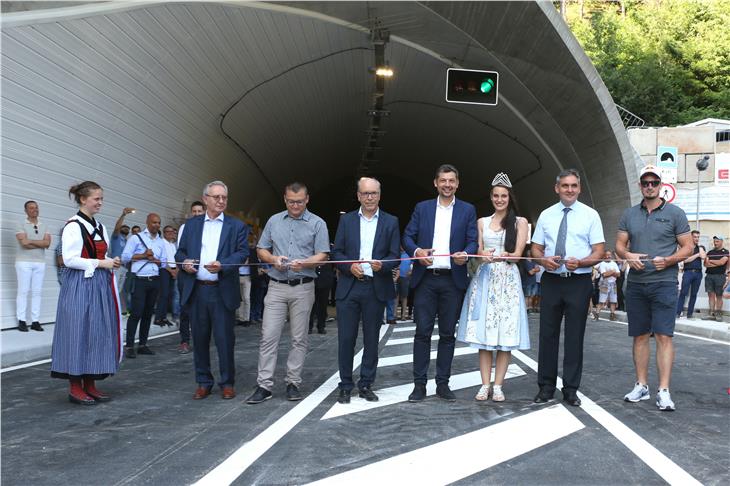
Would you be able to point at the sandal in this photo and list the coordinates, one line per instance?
(483, 393)
(497, 394)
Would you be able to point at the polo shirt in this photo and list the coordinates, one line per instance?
(32, 232)
(584, 230)
(296, 239)
(716, 255)
(654, 234)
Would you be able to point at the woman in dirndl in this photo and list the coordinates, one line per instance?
(87, 338)
(493, 316)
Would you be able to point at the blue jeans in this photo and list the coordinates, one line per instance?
(390, 310)
(690, 284)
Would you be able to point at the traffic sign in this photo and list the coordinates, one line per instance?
(668, 192)
(472, 86)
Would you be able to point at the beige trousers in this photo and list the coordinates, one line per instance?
(284, 301)
(244, 310)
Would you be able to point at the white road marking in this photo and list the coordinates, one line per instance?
(230, 469)
(395, 342)
(467, 454)
(683, 334)
(399, 393)
(408, 358)
(410, 328)
(44, 361)
(661, 464)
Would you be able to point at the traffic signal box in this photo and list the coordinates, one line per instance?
(471, 86)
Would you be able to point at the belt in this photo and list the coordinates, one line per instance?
(438, 271)
(365, 278)
(151, 277)
(569, 274)
(693, 270)
(206, 282)
(294, 282)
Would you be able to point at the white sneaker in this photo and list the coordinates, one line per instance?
(664, 400)
(483, 393)
(639, 393)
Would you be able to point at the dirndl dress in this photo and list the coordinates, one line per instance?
(87, 335)
(493, 315)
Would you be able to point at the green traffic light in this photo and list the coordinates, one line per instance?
(487, 85)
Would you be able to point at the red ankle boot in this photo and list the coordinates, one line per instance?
(76, 393)
(93, 392)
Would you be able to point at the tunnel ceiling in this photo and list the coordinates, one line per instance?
(290, 84)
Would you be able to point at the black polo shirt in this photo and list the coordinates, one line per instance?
(716, 255)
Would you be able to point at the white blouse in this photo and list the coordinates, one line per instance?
(73, 244)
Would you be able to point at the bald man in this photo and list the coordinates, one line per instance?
(147, 254)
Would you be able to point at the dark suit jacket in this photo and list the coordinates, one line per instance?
(232, 248)
(385, 247)
(419, 234)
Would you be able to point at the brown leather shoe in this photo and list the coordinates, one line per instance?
(201, 392)
(228, 393)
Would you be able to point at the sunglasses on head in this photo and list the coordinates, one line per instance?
(652, 183)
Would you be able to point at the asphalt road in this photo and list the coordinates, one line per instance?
(153, 433)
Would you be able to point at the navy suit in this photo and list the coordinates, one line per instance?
(212, 307)
(363, 299)
(440, 295)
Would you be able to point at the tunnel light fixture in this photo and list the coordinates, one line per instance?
(384, 71)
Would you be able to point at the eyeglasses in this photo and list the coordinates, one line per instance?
(218, 198)
(652, 183)
(369, 194)
(295, 202)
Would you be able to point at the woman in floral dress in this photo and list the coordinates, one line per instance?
(493, 316)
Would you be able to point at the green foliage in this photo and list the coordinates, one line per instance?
(668, 61)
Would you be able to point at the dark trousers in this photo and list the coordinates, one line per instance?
(690, 285)
(361, 302)
(319, 309)
(209, 315)
(143, 304)
(184, 318)
(163, 298)
(258, 292)
(435, 295)
(569, 298)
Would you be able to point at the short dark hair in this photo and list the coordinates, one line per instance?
(197, 203)
(167, 227)
(136, 226)
(443, 168)
(566, 173)
(124, 226)
(296, 187)
(694, 232)
(25, 206)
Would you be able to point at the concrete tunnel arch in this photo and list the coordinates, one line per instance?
(131, 95)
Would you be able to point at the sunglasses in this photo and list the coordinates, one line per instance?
(651, 183)
(35, 227)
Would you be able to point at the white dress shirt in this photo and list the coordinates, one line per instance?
(367, 239)
(209, 245)
(72, 244)
(442, 234)
(170, 249)
(584, 229)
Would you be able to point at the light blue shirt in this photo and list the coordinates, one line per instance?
(584, 229)
(144, 267)
(367, 239)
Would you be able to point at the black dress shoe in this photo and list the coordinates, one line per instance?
(292, 393)
(259, 395)
(144, 350)
(444, 392)
(418, 394)
(129, 352)
(368, 394)
(36, 326)
(322, 331)
(571, 396)
(344, 396)
(543, 397)
(22, 326)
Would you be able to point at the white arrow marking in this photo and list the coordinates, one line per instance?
(408, 358)
(399, 393)
(467, 454)
(661, 464)
(394, 342)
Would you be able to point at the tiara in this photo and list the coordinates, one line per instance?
(501, 179)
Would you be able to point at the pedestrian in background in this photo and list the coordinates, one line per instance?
(715, 263)
(691, 277)
(30, 266)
